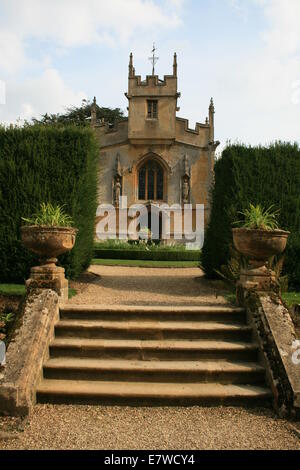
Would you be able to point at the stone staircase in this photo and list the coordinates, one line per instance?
(153, 355)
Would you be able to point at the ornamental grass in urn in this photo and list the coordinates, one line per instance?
(48, 233)
(259, 239)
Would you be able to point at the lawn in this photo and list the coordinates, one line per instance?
(146, 263)
(291, 298)
(138, 246)
(12, 289)
(19, 289)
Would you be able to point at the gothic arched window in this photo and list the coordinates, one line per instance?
(151, 181)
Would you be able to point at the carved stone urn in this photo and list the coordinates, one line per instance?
(48, 242)
(258, 246)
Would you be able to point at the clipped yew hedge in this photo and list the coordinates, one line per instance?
(260, 175)
(155, 255)
(46, 163)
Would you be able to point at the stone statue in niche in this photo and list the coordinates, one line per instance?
(117, 191)
(186, 181)
(117, 182)
(185, 190)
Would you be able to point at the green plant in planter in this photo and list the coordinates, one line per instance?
(231, 271)
(49, 215)
(5, 320)
(258, 218)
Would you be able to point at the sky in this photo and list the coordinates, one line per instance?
(243, 53)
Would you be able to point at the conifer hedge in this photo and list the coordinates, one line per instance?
(46, 163)
(260, 175)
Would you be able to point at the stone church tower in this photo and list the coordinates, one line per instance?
(153, 157)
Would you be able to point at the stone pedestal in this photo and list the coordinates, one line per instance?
(49, 277)
(258, 278)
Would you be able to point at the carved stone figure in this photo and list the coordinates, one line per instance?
(186, 181)
(117, 191)
(185, 190)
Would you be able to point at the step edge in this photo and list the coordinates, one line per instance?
(147, 308)
(238, 367)
(65, 324)
(52, 386)
(114, 344)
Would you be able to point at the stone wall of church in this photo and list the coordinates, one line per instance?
(172, 159)
(165, 91)
(192, 143)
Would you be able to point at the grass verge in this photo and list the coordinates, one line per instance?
(291, 298)
(19, 289)
(146, 263)
(12, 289)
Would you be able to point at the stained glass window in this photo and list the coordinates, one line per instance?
(151, 173)
(159, 184)
(142, 183)
(151, 182)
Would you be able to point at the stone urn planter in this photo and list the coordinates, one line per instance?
(48, 242)
(258, 246)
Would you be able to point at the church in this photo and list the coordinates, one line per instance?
(153, 157)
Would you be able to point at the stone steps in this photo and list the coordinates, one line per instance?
(155, 329)
(153, 349)
(140, 313)
(153, 355)
(145, 393)
(153, 371)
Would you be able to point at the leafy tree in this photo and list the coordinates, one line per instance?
(80, 115)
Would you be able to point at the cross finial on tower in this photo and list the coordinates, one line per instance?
(153, 59)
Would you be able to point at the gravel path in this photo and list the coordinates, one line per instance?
(117, 428)
(145, 286)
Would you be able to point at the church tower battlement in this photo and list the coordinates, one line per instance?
(152, 106)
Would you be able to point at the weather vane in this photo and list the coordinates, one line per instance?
(153, 59)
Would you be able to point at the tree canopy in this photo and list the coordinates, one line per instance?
(80, 115)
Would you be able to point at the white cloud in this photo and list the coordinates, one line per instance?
(61, 25)
(70, 23)
(241, 7)
(260, 92)
(12, 55)
(35, 96)
(283, 34)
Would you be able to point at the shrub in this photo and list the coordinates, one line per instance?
(265, 176)
(45, 163)
(143, 254)
(140, 245)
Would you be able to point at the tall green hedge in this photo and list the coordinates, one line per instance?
(260, 175)
(43, 163)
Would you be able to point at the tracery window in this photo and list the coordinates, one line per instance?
(151, 182)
